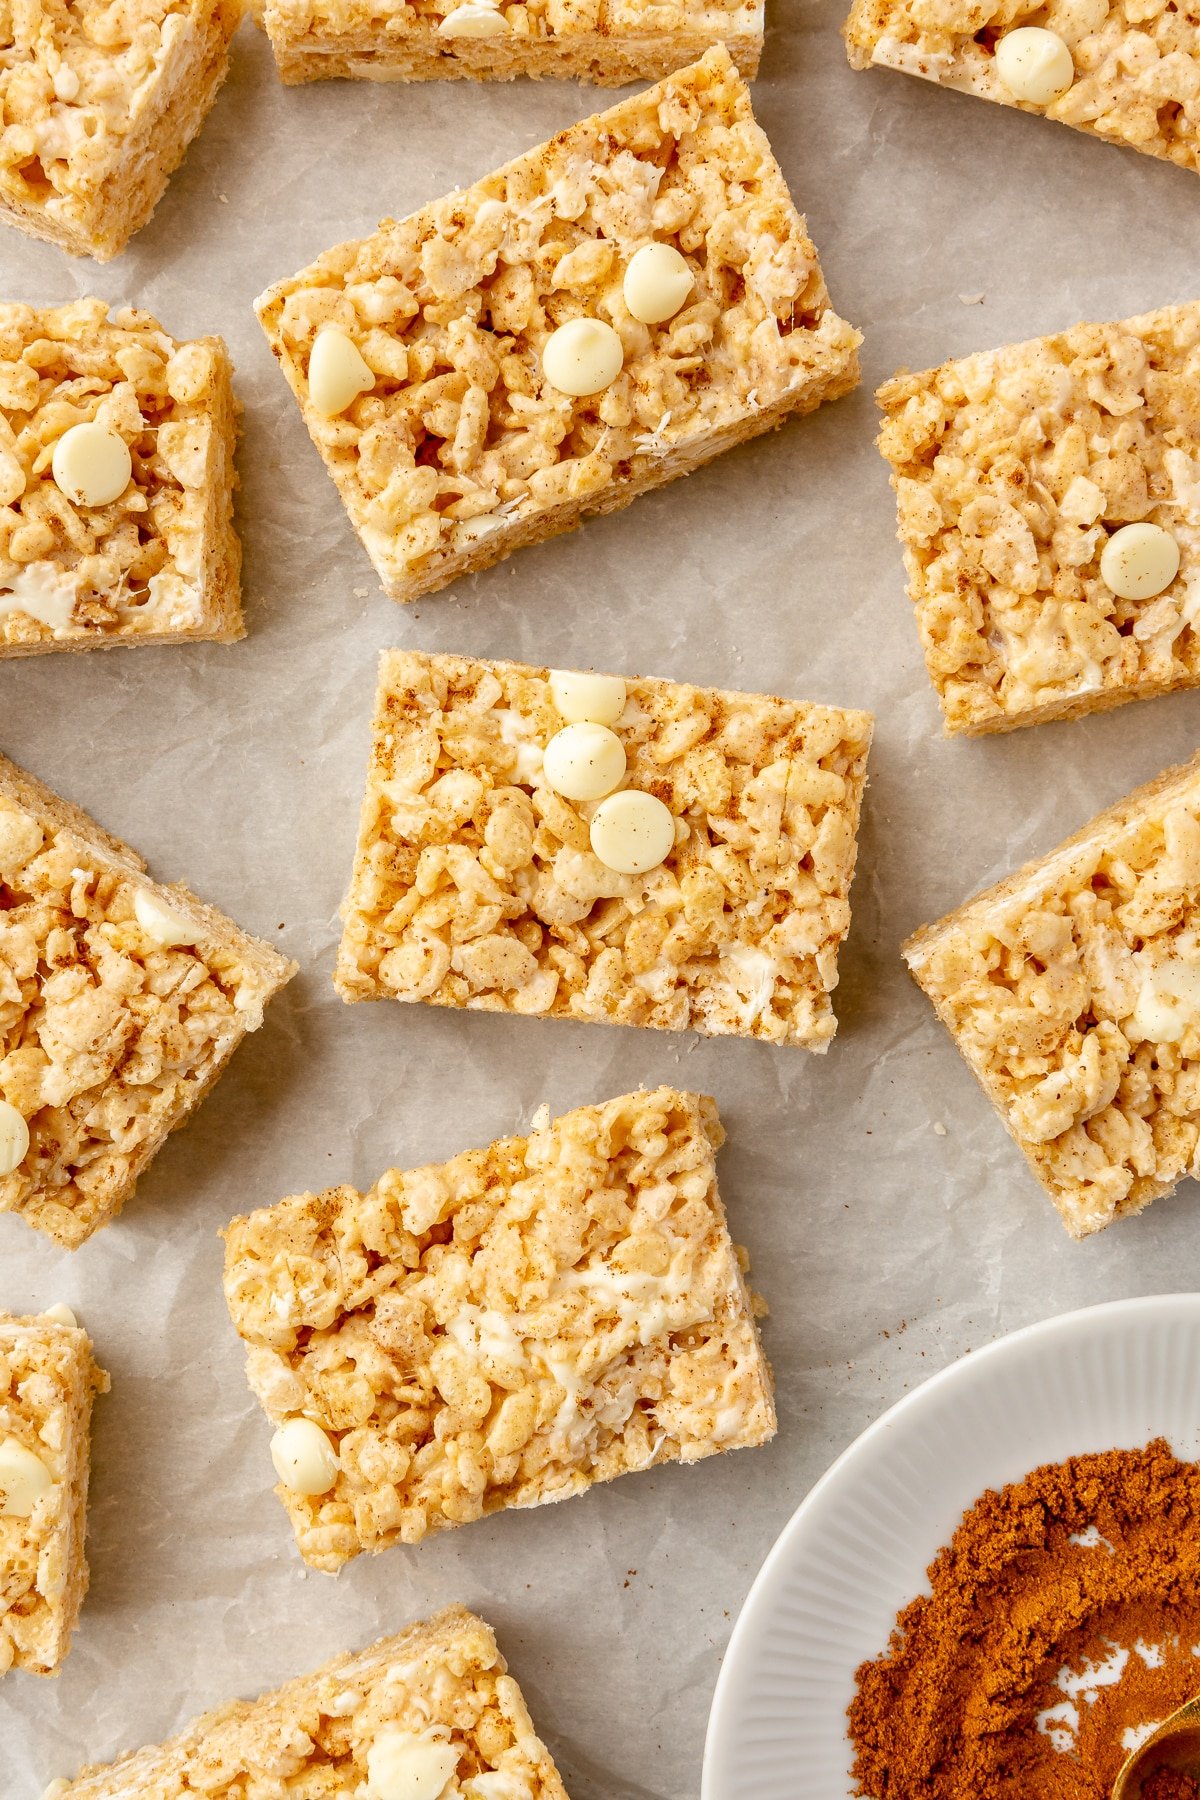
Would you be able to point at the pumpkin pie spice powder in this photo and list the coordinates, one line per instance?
(1069, 1601)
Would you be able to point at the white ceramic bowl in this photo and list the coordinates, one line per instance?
(857, 1549)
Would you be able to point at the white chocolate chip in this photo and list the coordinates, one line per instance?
(162, 922)
(24, 1478)
(304, 1457)
(632, 832)
(584, 761)
(337, 372)
(91, 464)
(657, 282)
(474, 19)
(60, 1313)
(1139, 561)
(402, 1765)
(1034, 65)
(587, 699)
(584, 356)
(1168, 1002)
(14, 1138)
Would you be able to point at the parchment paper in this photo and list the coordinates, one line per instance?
(885, 1249)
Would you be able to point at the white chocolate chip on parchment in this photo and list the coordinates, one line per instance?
(304, 1457)
(632, 832)
(337, 372)
(24, 1478)
(14, 1138)
(582, 357)
(657, 282)
(91, 464)
(582, 698)
(1034, 65)
(584, 761)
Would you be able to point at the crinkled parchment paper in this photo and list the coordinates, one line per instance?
(885, 1247)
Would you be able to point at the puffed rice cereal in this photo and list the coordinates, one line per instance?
(152, 557)
(435, 1700)
(109, 1036)
(1127, 71)
(475, 884)
(609, 42)
(505, 1329)
(1073, 991)
(1018, 473)
(99, 100)
(47, 1380)
(462, 450)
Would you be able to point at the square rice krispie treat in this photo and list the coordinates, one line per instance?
(430, 1714)
(47, 1380)
(98, 104)
(120, 1003)
(609, 311)
(1127, 71)
(116, 483)
(503, 1330)
(487, 874)
(608, 42)
(1049, 505)
(1073, 990)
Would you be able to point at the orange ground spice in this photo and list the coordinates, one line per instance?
(950, 1711)
(1170, 1784)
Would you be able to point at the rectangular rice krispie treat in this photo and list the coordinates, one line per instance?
(120, 1003)
(1127, 71)
(1073, 991)
(476, 883)
(430, 1712)
(47, 1380)
(608, 42)
(1049, 509)
(503, 1330)
(426, 392)
(158, 560)
(97, 106)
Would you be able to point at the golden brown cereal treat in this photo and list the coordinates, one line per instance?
(503, 1330)
(426, 393)
(608, 42)
(436, 1700)
(1073, 991)
(97, 107)
(1032, 483)
(1127, 71)
(151, 558)
(120, 1003)
(47, 1380)
(476, 884)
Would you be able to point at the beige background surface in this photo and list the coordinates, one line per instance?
(885, 1249)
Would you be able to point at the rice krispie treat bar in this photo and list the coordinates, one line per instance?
(47, 1379)
(430, 1714)
(608, 42)
(1127, 71)
(120, 1003)
(1073, 991)
(116, 483)
(496, 868)
(503, 1330)
(606, 313)
(98, 104)
(1049, 508)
